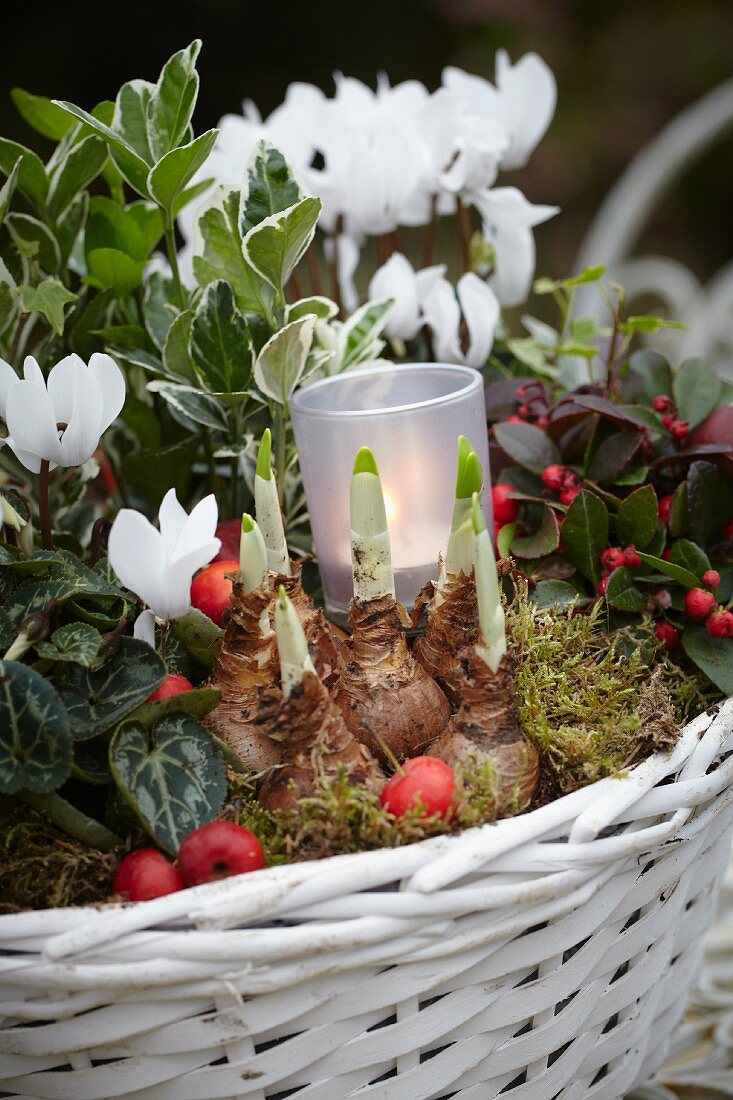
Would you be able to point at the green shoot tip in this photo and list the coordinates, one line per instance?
(477, 515)
(248, 524)
(282, 597)
(465, 446)
(365, 463)
(470, 477)
(264, 467)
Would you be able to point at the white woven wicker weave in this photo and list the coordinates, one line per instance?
(545, 956)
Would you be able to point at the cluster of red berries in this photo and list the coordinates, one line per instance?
(534, 404)
(562, 480)
(680, 429)
(216, 850)
(702, 606)
(614, 557)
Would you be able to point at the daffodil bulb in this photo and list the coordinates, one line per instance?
(158, 564)
(61, 419)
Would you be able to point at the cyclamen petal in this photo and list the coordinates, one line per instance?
(397, 279)
(442, 314)
(199, 528)
(8, 378)
(32, 425)
(111, 382)
(172, 517)
(137, 555)
(480, 309)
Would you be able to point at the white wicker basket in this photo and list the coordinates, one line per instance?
(545, 956)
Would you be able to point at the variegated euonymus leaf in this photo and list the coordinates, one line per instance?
(171, 174)
(96, 700)
(270, 186)
(219, 253)
(220, 344)
(324, 308)
(82, 164)
(172, 101)
(358, 337)
(281, 362)
(35, 743)
(275, 247)
(32, 178)
(172, 775)
(76, 643)
(7, 190)
(190, 406)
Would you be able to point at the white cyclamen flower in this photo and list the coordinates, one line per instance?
(158, 565)
(508, 219)
(398, 279)
(442, 308)
(60, 420)
(527, 97)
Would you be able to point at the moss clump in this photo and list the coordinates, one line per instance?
(41, 867)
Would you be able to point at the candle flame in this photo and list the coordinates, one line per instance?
(389, 507)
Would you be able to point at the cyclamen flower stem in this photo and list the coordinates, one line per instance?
(72, 821)
(463, 215)
(492, 644)
(371, 551)
(429, 236)
(44, 513)
(314, 269)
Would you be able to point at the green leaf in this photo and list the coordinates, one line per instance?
(108, 268)
(528, 351)
(8, 189)
(191, 193)
(648, 325)
(192, 405)
(77, 643)
(548, 594)
(585, 533)
(669, 569)
(82, 164)
(199, 635)
(270, 187)
(176, 356)
(220, 344)
(689, 555)
(133, 166)
(171, 174)
(714, 656)
(173, 777)
(357, 335)
(275, 247)
(32, 179)
(709, 501)
(679, 513)
(654, 371)
(160, 307)
(130, 120)
(613, 456)
(528, 446)
(587, 275)
(35, 743)
(134, 229)
(70, 225)
(222, 257)
(155, 470)
(504, 539)
(282, 360)
(541, 542)
(197, 702)
(172, 101)
(96, 700)
(637, 517)
(33, 238)
(621, 592)
(322, 307)
(50, 298)
(9, 299)
(697, 391)
(42, 114)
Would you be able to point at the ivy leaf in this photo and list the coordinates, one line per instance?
(96, 700)
(528, 446)
(220, 344)
(621, 592)
(77, 643)
(637, 517)
(541, 542)
(171, 174)
(714, 656)
(32, 178)
(585, 533)
(50, 298)
(35, 743)
(697, 391)
(275, 247)
(172, 101)
(690, 556)
(82, 164)
(270, 187)
(548, 594)
(281, 362)
(40, 113)
(172, 776)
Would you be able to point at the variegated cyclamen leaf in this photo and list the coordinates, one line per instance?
(280, 364)
(75, 643)
(269, 187)
(97, 700)
(35, 743)
(172, 775)
(275, 247)
(359, 332)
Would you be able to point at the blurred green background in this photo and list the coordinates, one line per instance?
(623, 68)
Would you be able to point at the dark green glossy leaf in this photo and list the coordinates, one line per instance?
(528, 446)
(714, 656)
(548, 594)
(669, 569)
(697, 391)
(613, 456)
(35, 743)
(679, 513)
(637, 518)
(709, 501)
(585, 533)
(172, 776)
(543, 541)
(690, 556)
(621, 592)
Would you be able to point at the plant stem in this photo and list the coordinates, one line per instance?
(314, 269)
(280, 431)
(170, 247)
(464, 238)
(71, 820)
(13, 350)
(44, 513)
(429, 236)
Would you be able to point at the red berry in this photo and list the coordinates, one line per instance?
(662, 404)
(514, 420)
(728, 530)
(229, 532)
(698, 603)
(211, 590)
(146, 874)
(554, 477)
(602, 586)
(567, 496)
(720, 625)
(631, 558)
(668, 635)
(542, 422)
(668, 420)
(664, 507)
(426, 778)
(524, 389)
(613, 558)
(711, 578)
(505, 509)
(171, 686)
(667, 555)
(680, 429)
(217, 850)
(524, 411)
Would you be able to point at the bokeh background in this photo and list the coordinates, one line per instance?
(624, 68)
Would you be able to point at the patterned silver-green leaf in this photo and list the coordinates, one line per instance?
(35, 743)
(77, 643)
(96, 700)
(172, 776)
(197, 702)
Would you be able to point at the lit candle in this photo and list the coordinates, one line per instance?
(410, 416)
